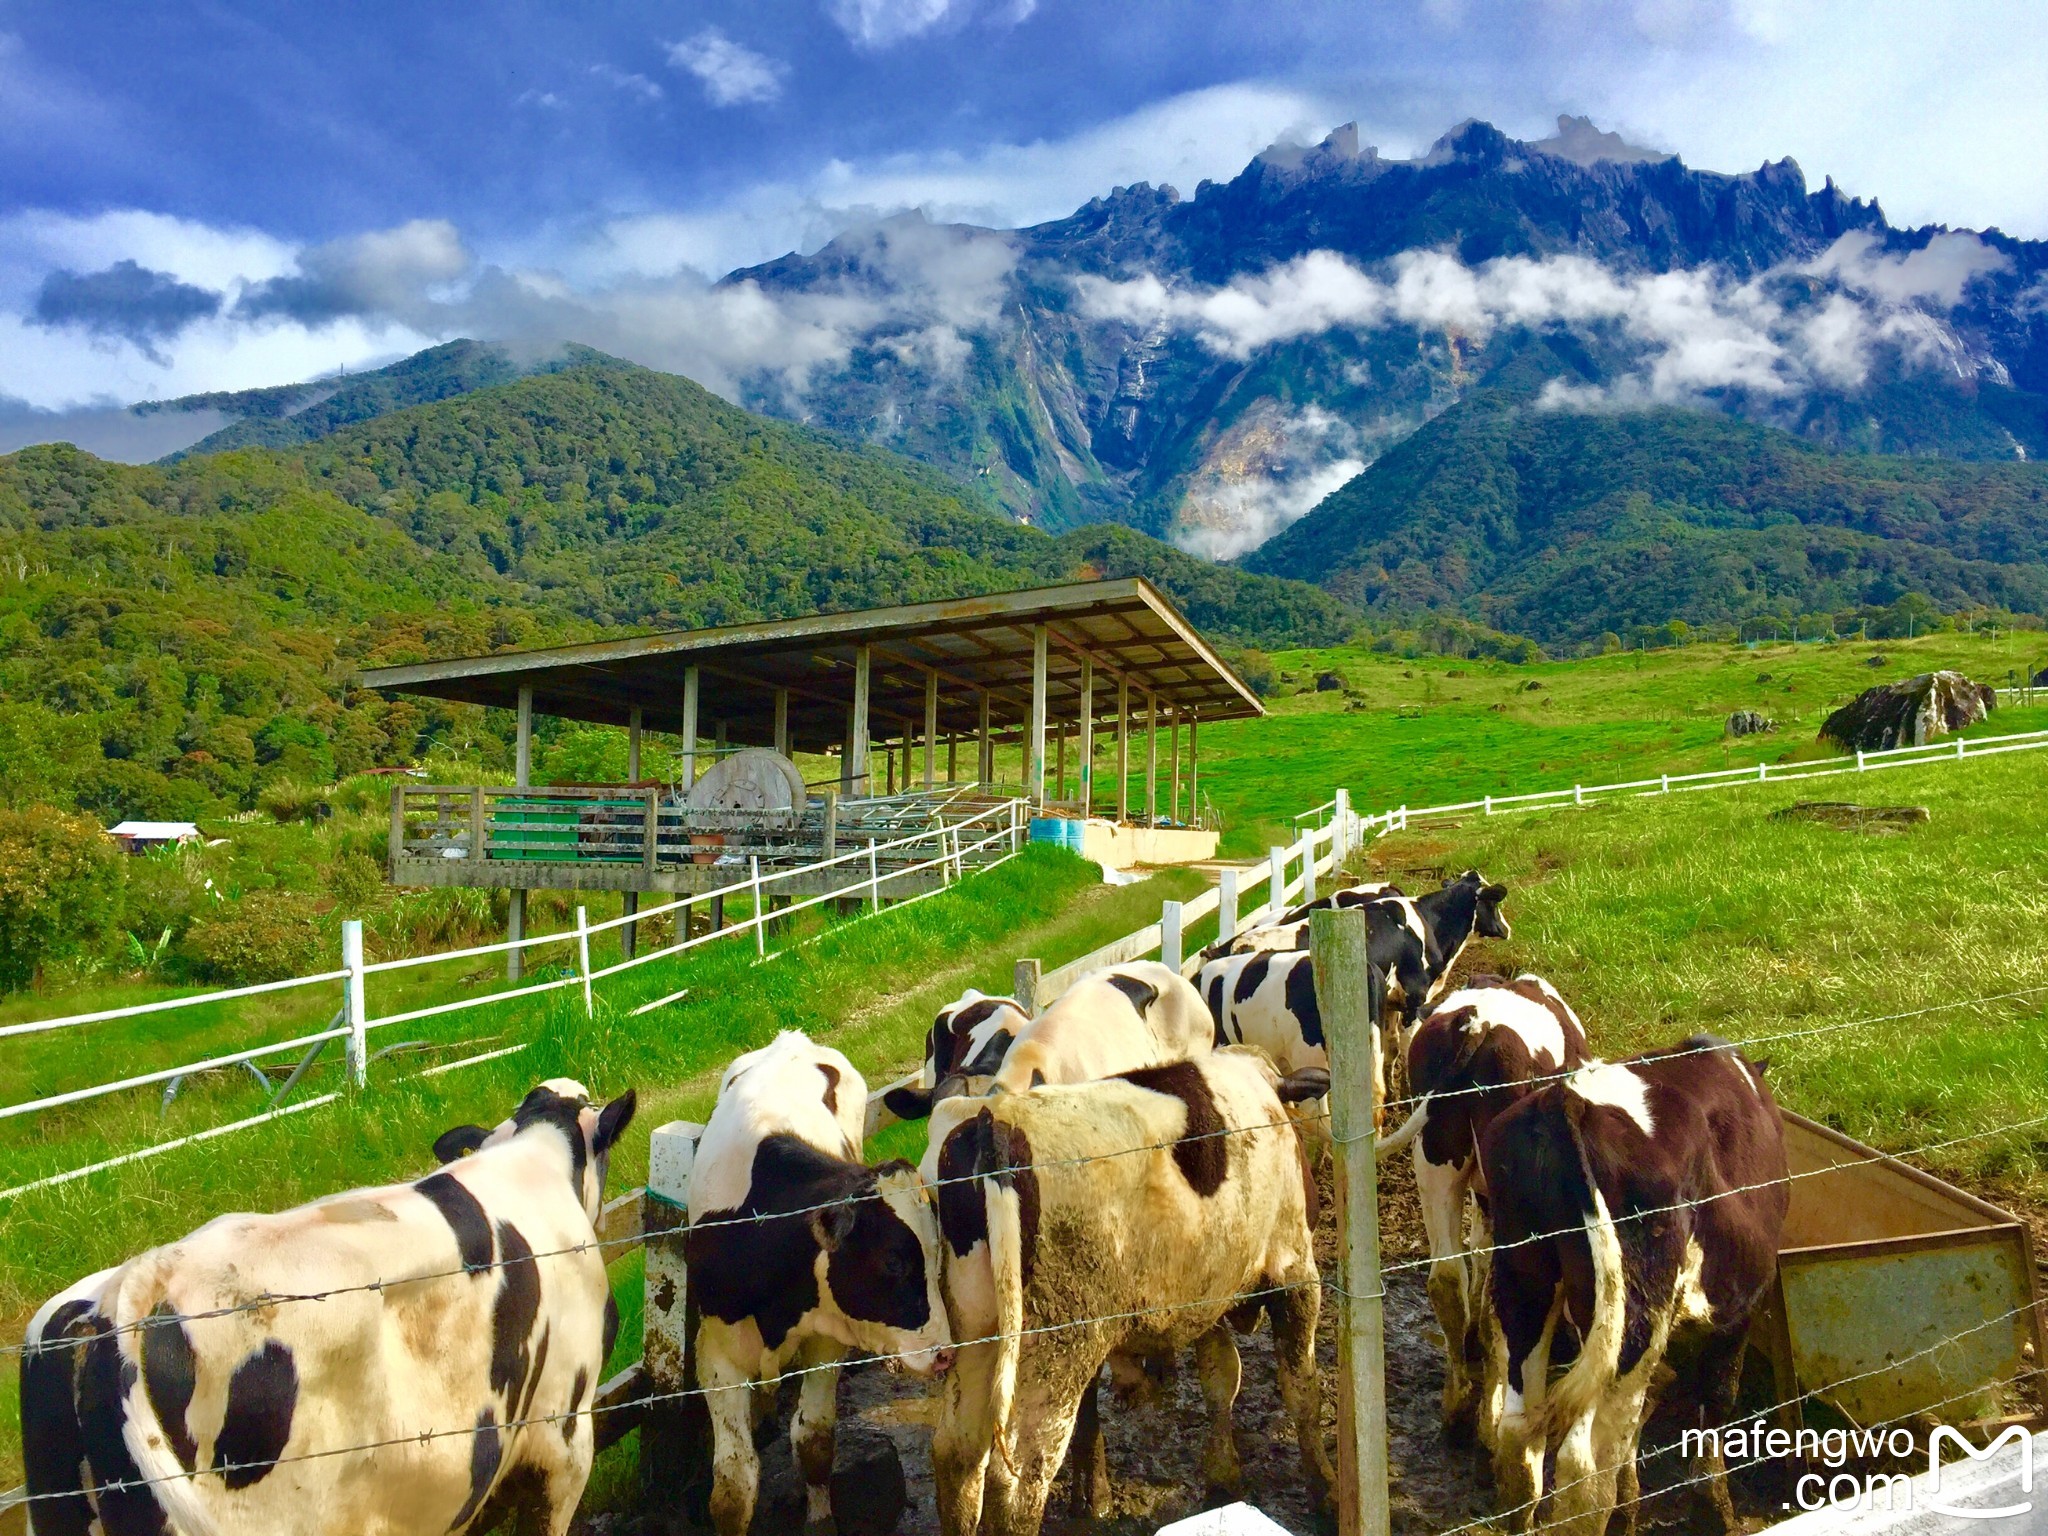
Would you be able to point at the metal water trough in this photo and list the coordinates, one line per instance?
(1897, 1293)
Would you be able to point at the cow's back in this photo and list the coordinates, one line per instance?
(393, 1313)
(792, 1086)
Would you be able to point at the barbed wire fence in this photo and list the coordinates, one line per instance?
(658, 1396)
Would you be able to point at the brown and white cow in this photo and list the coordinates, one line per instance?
(1139, 1014)
(1135, 1214)
(966, 1044)
(1630, 1201)
(797, 1252)
(456, 1325)
(1487, 1045)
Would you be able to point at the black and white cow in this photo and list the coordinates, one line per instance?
(798, 1252)
(1487, 1045)
(1414, 941)
(1630, 1201)
(1268, 1001)
(1139, 1014)
(1290, 930)
(1140, 1210)
(1339, 899)
(966, 1044)
(459, 1328)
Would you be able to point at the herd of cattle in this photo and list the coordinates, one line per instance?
(1125, 1174)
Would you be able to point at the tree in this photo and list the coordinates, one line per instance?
(60, 885)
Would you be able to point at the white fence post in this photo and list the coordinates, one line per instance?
(1762, 772)
(583, 956)
(1578, 794)
(1226, 906)
(1667, 783)
(1308, 866)
(1278, 898)
(760, 914)
(1959, 746)
(1859, 759)
(874, 879)
(1169, 934)
(353, 1004)
(1489, 805)
(1341, 844)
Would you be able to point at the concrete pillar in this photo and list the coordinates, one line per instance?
(1194, 775)
(1059, 779)
(690, 701)
(1123, 749)
(782, 721)
(952, 757)
(629, 902)
(1034, 745)
(985, 770)
(1087, 733)
(861, 673)
(1151, 759)
(931, 728)
(633, 745)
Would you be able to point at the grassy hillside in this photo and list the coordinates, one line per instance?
(1432, 730)
(1562, 524)
(172, 639)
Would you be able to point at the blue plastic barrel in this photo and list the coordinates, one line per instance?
(1061, 831)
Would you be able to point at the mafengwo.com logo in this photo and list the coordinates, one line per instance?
(1955, 1468)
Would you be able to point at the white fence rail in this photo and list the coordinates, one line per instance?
(980, 841)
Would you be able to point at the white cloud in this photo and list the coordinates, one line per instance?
(878, 23)
(731, 73)
(1694, 331)
(623, 80)
(1181, 141)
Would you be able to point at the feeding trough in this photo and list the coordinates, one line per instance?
(1897, 1293)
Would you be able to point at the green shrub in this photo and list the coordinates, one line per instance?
(60, 885)
(289, 799)
(357, 881)
(266, 936)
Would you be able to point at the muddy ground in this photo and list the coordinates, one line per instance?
(1154, 1450)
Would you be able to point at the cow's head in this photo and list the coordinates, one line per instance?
(1488, 921)
(968, 1041)
(878, 1268)
(560, 1106)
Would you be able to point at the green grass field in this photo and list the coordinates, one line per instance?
(1657, 917)
(870, 986)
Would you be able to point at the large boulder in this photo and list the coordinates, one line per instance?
(1908, 714)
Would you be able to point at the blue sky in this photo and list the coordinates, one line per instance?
(268, 191)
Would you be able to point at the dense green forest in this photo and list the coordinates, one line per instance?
(175, 638)
(1564, 524)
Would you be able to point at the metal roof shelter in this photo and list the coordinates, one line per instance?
(971, 666)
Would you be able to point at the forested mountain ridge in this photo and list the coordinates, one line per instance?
(174, 637)
(1208, 367)
(1562, 524)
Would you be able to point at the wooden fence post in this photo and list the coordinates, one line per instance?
(1024, 984)
(1169, 934)
(353, 1003)
(675, 1435)
(1337, 944)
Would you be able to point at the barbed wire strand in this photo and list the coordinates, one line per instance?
(423, 1437)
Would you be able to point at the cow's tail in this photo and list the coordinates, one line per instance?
(1408, 1130)
(1006, 1266)
(1579, 1389)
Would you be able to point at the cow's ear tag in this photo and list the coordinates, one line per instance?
(459, 1142)
(832, 1226)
